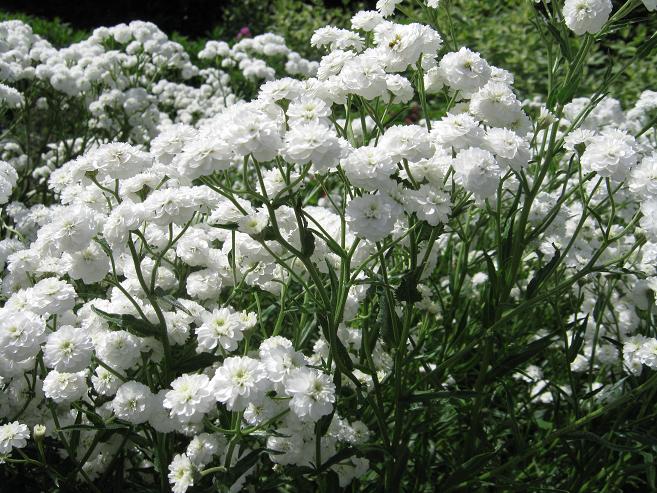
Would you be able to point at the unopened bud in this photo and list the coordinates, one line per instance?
(39, 432)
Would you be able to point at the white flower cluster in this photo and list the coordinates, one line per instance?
(250, 56)
(128, 82)
(639, 350)
(243, 284)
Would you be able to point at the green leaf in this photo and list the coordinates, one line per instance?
(407, 290)
(543, 273)
(91, 416)
(306, 237)
(335, 284)
(492, 292)
(563, 44)
(267, 234)
(342, 355)
(575, 346)
(384, 322)
(307, 242)
(332, 482)
(171, 300)
(93, 427)
(330, 242)
(446, 394)
(322, 426)
(511, 362)
(343, 454)
(102, 242)
(587, 435)
(244, 464)
(195, 363)
(470, 468)
(132, 324)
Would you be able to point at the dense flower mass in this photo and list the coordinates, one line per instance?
(311, 284)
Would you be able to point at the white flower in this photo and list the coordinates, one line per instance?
(477, 171)
(65, 387)
(410, 142)
(10, 96)
(90, 264)
(119, 160)
(510, 149)
(280, 358)
(171, 141)
(68, 349)
(21, 334)
(650, 4)
(578, 137)
(433, 169)
(118, 348)
(181, 473)
(632, 346)
(401, 45)
(387, 7)
(364, 76)
(647, 353)
(133, 402)
(332, 63)
(190, 398)
(496, 104)
(400, 88)
(367, 167)
(372, 217)
(257, 412)
(221, 327)
(52, 296)
(458, 131)
(160, 419)
(464, 71)
(276, 90)
(105, 382)
(433, 81)
(366, 20)
(254, 128)
(313, 393)
(611, 154)
(314, 142)
(238, 381)
(336, 38)
(643, 180)
(253, 223)
(124, 218)
(306, 110)
(204, 447)
(204, 284)
(428, 203)
(586, 16)
(8, 176)
(13, 435)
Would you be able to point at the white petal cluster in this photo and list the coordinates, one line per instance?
(611, 154)
(13, 435)
(372, 217)
(133, 402)
(63, 387)
(8, 180)
(68, 349)
(586, 16)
